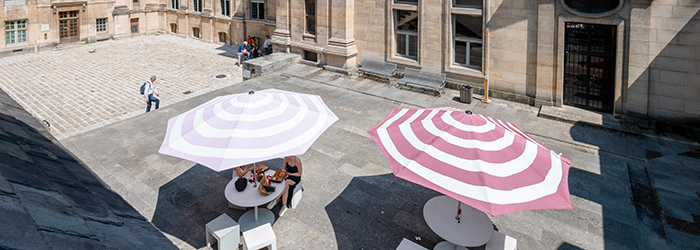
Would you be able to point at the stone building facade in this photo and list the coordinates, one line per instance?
(638, 58)
(30, 23)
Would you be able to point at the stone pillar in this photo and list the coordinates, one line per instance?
(636, 95)
(341, 50)
(281, 37)
(546, 54)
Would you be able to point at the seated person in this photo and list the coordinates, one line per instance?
(242, 170)
(292, 166)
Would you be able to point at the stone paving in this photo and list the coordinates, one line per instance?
(76, 90)
(353, 201)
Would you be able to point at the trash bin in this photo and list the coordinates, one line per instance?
(465, 94)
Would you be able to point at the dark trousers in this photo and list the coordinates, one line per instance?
(151, 99)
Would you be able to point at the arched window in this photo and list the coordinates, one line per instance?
(593, 7)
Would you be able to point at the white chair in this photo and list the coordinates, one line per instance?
(501, 241)
(406, 244)
(225, 231)
(259, 237)
(448, 246)
(296, 196)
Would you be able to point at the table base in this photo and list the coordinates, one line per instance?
(247, 220)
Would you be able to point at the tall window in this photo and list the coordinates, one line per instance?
(15, 32)
(226, 7)
(310, 16)
(197, 5)
(174, 4)
(173, 28)
(257, 9)
(468, 41)
(101, 24)
(195, 32)
(15, 2)
(222, 37)
(406, 33)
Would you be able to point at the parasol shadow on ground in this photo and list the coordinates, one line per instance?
(376, 212)
(194, 198)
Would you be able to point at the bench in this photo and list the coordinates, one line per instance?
(424, 79)
(377, 68)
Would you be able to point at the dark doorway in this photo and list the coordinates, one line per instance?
(68, 26)
(589, 66)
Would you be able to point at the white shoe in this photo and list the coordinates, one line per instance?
(284, 209)
(271, 204)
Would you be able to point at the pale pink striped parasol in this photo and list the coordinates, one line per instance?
(239, 129)
(484, 162)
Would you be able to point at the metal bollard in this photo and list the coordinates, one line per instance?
(465, 94)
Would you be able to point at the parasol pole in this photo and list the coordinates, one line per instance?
(255, 175)
(459, 212)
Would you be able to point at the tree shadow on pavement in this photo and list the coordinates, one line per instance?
(377, 212)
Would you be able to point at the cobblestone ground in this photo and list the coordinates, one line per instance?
(77, 89)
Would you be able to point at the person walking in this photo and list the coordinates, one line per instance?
(242, 51)
(149, 91)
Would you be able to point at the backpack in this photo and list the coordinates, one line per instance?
(143, 87)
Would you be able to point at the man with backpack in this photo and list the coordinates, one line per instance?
(148, 90)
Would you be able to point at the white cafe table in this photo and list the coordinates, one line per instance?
(250, 197)
(475, 228)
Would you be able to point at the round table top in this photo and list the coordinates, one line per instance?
(250, 197)
(474, 230)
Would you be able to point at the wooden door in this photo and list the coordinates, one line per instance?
(69, 28)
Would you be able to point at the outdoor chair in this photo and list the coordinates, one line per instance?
(225, 231)
(296, 197)
(445, 245)
(259, 237)
(501, 241)
(406, 244)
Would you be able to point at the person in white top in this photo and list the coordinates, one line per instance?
(267, 46)
(149, 91)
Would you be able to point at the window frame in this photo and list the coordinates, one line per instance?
(17, 32)
(408, 34)
(308, 17)
(258, 3)
(15, 3)
(175, 4)
(469, 41)
(225, 7)
(99, 25)
(197, 5)
(449, 56)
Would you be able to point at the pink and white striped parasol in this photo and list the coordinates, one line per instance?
(484, 162)
(239, 129)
